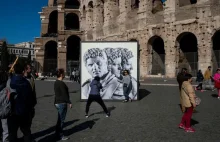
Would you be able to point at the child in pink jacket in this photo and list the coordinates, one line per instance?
(217, 81)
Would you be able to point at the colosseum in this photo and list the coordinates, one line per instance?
(171, 33)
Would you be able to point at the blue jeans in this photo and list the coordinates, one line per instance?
(5, 130)
(62, 110)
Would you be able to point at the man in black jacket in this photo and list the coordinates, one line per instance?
(21, 106)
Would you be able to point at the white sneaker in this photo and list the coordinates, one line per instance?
(107, 115)
(219, 98)
(86, 116)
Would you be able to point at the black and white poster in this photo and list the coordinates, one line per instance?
(107, 60)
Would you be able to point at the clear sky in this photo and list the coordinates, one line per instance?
(19, 19)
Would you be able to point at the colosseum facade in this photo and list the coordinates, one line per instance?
(171, 35)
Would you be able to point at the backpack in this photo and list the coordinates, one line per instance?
(5, 104)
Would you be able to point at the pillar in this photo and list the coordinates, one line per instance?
(144, 13)
(89, 23)
(98, 18)
(61, 51)
(61, 19)
(124, 7)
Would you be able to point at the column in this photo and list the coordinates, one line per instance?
(143, 62)
(89, 23)
(169, 10)
(61, 51)
(171, 52)
(144, 13)
(61, 18)
(98, 18)
(44, 24)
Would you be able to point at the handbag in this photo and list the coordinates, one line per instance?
(198, 100)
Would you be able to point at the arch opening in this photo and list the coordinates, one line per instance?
(135, 4)
(216, 50)
(158, 55)
(90, 4)
(50, 57)
(188, 52)
(72, 4)
(73, 53)
(53, 22)
(186, 2)
(72, 22)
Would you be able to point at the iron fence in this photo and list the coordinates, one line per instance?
(158, 64)
(71, 65)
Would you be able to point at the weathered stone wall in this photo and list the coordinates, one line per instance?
(110, 20)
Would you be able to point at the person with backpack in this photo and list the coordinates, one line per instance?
(21, 105)
(94, 95)
(4, 105)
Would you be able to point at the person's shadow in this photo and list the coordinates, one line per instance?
(83, 126)
(110, 109)
(51, 129)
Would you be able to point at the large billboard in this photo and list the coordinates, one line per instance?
(107, 60)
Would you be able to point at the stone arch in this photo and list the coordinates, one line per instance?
(72, 21)
(186, 2)
(50, 56)
(72, 52)
(53, 22)
(156, 47)
(187, 52)
(90, 4)
(216, 50)
(72, 4)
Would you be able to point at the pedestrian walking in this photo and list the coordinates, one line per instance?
(4, 122)
(94, 95)
(217, 81)
(21, 105)
(127, 85)
(180, 79)
(199, 79)
(77, 76)
(188, 101)
(208, 79)
(29, 76)
(62, 100)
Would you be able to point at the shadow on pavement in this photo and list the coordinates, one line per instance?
(215, 95)
(194, 122)
(143, 93)
(109, 109)
(51, 129)
(83, 126)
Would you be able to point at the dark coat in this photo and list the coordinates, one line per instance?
(199, 77)
(23, 101)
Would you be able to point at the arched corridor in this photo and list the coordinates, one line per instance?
(216, 50)
(156, 44)
(73, 53)
(187, 52)
(72, 21)
(50, 56)
(72, 4)
(53, 20)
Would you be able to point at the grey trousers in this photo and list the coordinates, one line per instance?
(5, 130)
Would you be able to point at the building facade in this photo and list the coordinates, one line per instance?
(172, 35)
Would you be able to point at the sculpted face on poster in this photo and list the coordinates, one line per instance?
(108, 60)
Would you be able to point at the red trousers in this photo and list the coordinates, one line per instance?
(186, 119)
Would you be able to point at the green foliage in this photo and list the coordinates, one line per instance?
(4, 57)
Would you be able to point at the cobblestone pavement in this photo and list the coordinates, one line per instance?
(152, 119)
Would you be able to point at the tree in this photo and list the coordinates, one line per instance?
(29, 56)
(4, 57)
